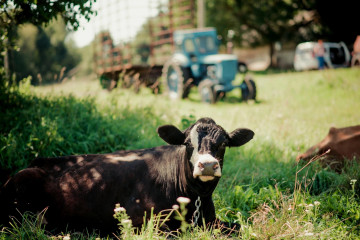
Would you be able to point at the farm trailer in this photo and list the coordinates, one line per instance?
(139, 61)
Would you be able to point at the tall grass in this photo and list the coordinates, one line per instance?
(48, 126)
(262, 187)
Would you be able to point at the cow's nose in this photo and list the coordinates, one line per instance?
(208, 168)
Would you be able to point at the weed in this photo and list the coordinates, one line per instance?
(28, 228)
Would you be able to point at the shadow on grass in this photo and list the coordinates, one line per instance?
(195, 97)
(238, 100)
(273, 71)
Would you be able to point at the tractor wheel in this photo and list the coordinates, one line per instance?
(242, 68)
(176, 79)
(220, 95)
(206, 91)
(248, 90)
(107, 83)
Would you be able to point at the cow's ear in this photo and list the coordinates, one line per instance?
(240, 136)
(171, 134)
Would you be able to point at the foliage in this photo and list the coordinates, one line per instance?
(86, 65)
(36, 44)
(29, 228)
(17, 12)
(262, 22)
(33, 126)
(262, 187)
(266, 22)
(14, 13)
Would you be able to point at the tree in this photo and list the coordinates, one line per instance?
(14, 13)
(261, 22)
(42, 53)
(37, 12)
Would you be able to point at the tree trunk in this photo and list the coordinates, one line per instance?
(273, 61)
(6, 62)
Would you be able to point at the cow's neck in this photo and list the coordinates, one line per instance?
(196, 188)
(168, 170)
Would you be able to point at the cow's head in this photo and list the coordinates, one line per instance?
(205, 143)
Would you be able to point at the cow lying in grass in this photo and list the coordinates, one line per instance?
(340, 145)
(81, 191)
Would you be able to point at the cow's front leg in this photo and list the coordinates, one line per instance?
(207, 210)
(209, 215)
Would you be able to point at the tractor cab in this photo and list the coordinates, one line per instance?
(195, 42)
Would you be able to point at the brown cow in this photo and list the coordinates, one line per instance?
(344, 143)
(81, 191)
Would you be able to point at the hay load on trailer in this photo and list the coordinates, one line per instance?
(138, 58)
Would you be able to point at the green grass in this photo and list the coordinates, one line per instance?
(259, 189)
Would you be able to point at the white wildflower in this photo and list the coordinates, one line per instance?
(175, 206)
(316, 203)
(67, 237)
(353, 181)
(126, 222)
(311, 205)
(183, 200)
(119, 209)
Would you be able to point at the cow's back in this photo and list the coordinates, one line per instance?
(345, 141)
(57, 165)
(342, 143)
(80, 190)
(85, 188)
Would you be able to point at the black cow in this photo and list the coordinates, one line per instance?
(81, 191)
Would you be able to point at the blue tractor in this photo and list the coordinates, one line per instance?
(196, 62)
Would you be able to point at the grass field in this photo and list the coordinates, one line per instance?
(259, 189)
